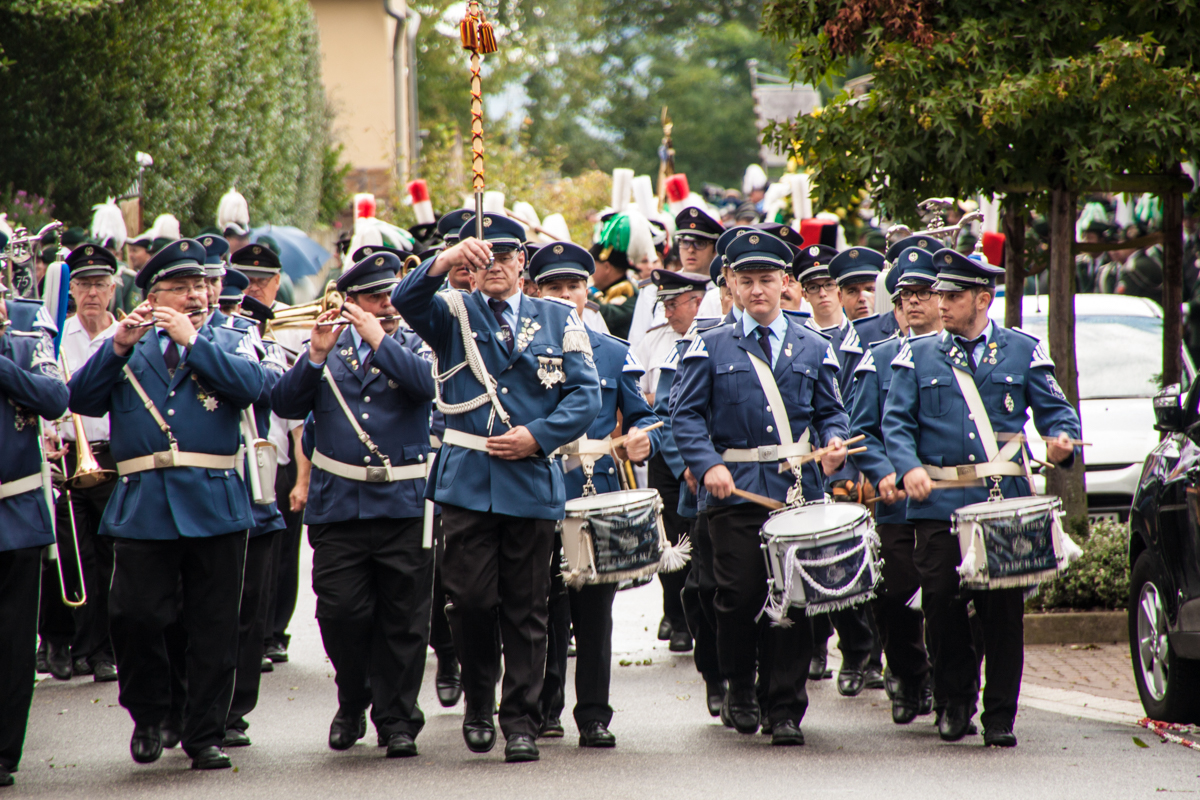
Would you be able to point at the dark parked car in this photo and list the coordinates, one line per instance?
(1164, 560)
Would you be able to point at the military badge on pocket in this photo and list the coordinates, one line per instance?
(550, 371)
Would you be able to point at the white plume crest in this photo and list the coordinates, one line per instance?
(233, 212)
(108, 224)
(755, 178)
(165, 227)
(641, 237)
(556, 226)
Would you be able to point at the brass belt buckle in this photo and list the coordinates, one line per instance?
(164, 459)
(768, 452)
(966, 473)
(377, 475)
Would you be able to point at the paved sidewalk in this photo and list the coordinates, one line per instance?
(1103, 670)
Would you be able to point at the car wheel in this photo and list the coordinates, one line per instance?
(1166, 683)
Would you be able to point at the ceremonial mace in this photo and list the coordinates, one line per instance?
(478, 37)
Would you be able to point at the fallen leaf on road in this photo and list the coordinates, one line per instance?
(683, 697)
(1139, 742)
(624, 662)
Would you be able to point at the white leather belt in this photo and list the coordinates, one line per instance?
(21, 485)
(584, 446)
(384, 474)
(767, 452)
(463, 439)
(974, 472)
(175, 458)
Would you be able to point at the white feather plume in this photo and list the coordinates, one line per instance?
(525, 214)
(754, 178)
(108, 224)
(233, 212)
(641, 238)
(166, 227)
(622, 188)
(556, 226)
(493, 202)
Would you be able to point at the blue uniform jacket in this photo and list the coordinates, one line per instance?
(555, 415)
(926, 421)
(202, 404)
(871, 384)
(619, 391)
(30, 387)
(391, 402)
(721, 404)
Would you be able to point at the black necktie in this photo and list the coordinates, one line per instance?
(171, 356)
(764, 341)
(969, 348)
(498, 307)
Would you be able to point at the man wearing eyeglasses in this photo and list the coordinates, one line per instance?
(532, 388)
(180, 510)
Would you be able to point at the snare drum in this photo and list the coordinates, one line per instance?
(613, 536)
(1011, 543)
(822, 557)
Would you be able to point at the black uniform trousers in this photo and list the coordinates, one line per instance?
(741, 576)
(440, 637)
(699, 592)
(1001, 616)
(589, 614)
(20, 575)
(902, 626)
(373, 582)
(856, 638)
(499, 565)
(85, 628)
(660, 477)
(252, 621)
(197, 582)
(285, 559)
(553, 698)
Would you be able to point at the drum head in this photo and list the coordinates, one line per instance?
(1011, 505)
(817, 518)
(601, 502)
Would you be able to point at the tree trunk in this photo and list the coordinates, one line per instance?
(1172, 355)
(1068, 484)
(1014, 259)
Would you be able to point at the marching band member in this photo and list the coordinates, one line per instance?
(723, 417)
(561, 270)
(180, 512)
(500, 490)
(31, 387)
(924, 421)
(909, 281)
(448, 226)
(369, 393)
(215, 250)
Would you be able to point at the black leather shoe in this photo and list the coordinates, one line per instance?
(596, 734)
(891, 684)
(999, 737)
(235, 738)
(850, 682)
(816, 668)
(873, 679)
(954, 723)
(170, 735)
(479, 733)
(81, 667)
(276, 652)
(521, 747)
(401, 745)
(664, 630)
(767, 727)
(59, 659)
(786, 734)
(681, 642)
(267, 665)
(449, 682)
(146, 746)
(552, 728)
(741, 707)
(926, 704)
(715, 696)
(43, 666)
(104, 672)
(6, 778)
(346, 729)
(211, 758)
(904, 708)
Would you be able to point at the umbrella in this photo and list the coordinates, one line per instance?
(298, 253)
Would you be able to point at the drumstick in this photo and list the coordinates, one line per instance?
(765, 502)
(821, 451)
(878, 498)
(1008, 437)
(620, 440)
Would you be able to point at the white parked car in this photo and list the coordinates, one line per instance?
(1118, 351)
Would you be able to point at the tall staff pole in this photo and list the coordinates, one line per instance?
(479, 39)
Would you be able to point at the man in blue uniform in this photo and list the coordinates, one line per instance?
(517, 381)
(898, 611)
(561, 271)
(30, 387)
(932, 434)
(748, 395)
(181, 510)
(216, 250)
(369, 393)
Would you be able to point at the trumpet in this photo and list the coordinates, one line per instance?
(88, 472)
(303, 316)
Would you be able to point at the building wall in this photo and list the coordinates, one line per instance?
(356, 62)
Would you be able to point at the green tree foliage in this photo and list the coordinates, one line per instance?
(975, 96)
(221, 93)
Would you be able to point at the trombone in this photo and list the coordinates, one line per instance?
(88, 472)
(74, 595)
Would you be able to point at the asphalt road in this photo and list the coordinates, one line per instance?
(668, 746)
